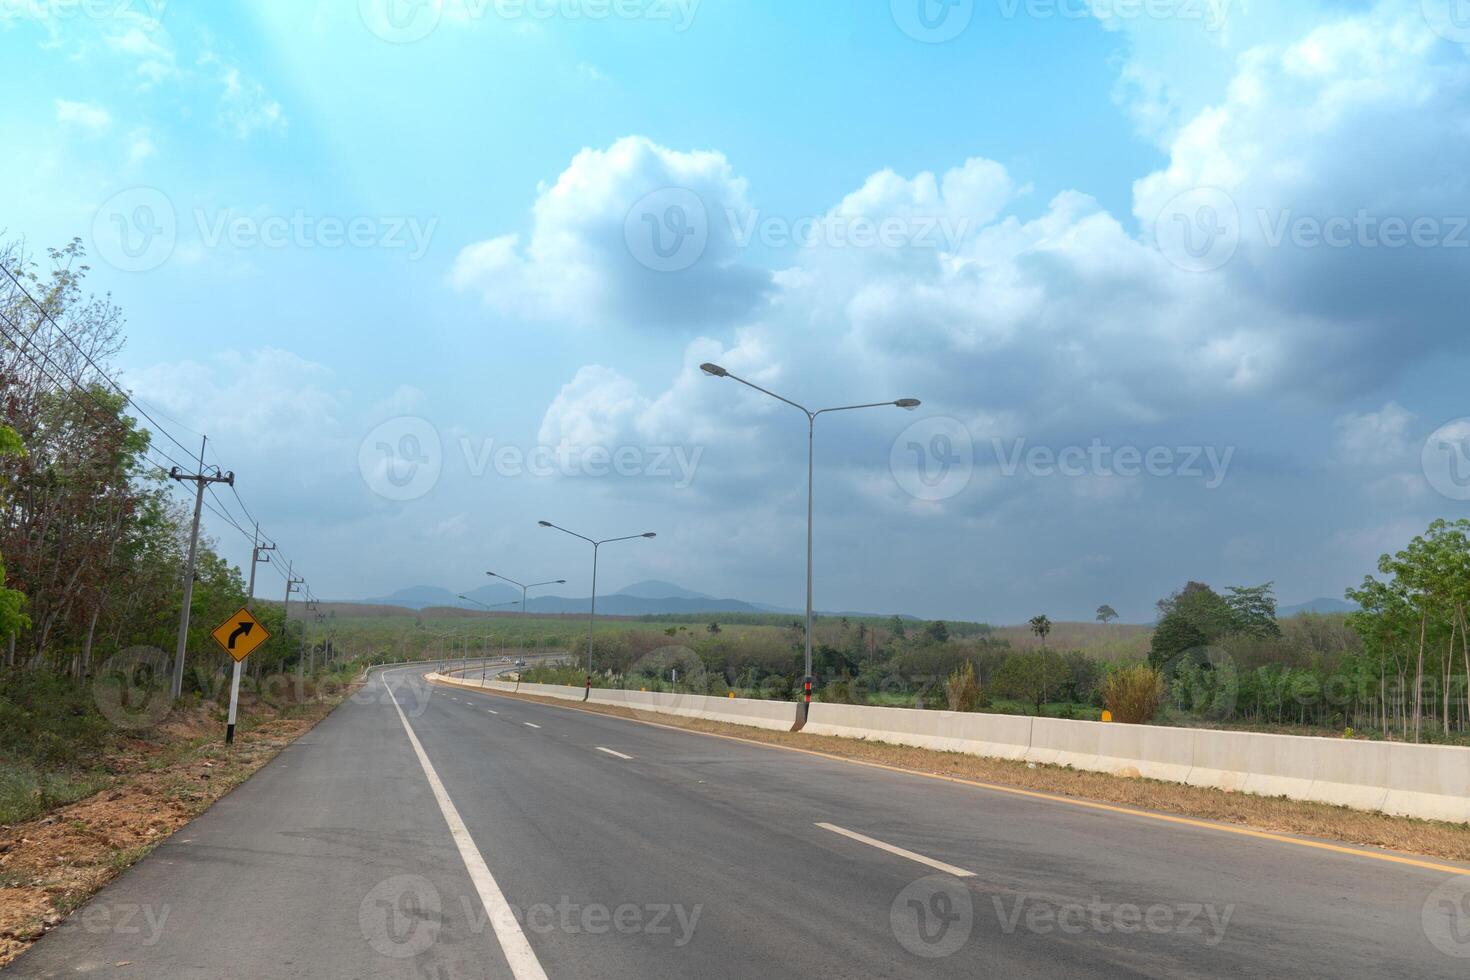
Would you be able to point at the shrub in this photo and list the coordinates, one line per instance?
(962, 689)
(1133, 693)
(838, 692)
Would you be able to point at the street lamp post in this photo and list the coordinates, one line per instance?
(499, 605)
(908, 404)
(596, 545)
(525, 588)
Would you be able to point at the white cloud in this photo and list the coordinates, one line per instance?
(584, 261)
(245, 107)
(1070, 322)
(140, 145)
(1376, 439)
(88, 117)
(266, 399)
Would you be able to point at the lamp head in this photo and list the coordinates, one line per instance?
(650, 534)
(714, 370)
(545, 523)
(908, 404)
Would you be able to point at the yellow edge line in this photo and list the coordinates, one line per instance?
(1028, 793)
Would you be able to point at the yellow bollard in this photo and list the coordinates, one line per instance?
(1107, 716)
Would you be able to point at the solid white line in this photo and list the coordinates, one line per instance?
(513, 942)
(492, 711)
(612, 753)
(529, 725)
(921, 859)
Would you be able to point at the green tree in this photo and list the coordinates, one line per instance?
(1027, 677)
(1106, 614)
(1041, 626)
(1253, 610)
(937, 632)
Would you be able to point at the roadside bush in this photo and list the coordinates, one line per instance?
(962, 689)
(1133, 694)
(49, 718)
(838, 692)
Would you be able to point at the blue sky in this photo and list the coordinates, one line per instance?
(994, 214)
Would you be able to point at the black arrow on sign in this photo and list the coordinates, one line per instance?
(242, 630)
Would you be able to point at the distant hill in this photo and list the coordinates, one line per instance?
(647, 598)
(1322, 606)
(656, 589)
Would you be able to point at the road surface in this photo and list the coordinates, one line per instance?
(439, 834)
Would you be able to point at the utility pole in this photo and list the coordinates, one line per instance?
(306, 612)
(257, 555)
(200, 480)
(292, 585)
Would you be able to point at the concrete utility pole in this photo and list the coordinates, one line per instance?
(257, 556)
(200, 480)
(306, 612)
(292, 585)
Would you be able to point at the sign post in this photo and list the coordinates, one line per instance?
(239, 636)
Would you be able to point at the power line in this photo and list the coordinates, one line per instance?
(88, 358)
(22, 340)
(73, 387)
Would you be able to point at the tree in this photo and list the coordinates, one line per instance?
(1106, 614)
(1041, 626)
(1253, 610)
(897, 627)
(937, 632)
(1175, 635)
(1028, 677)
(713, 628)
(13, 618)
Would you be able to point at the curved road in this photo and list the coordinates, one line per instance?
(437, 833)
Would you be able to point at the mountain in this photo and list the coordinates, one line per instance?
(417, 597)
(651, 597)
(655, 589)
(1326, 606)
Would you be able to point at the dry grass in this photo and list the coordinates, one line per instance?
(1275, 815)
(51, 865)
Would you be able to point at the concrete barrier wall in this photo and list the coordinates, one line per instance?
(774, 715)
(1000, 736)
(1427, 781)
(1431, 782)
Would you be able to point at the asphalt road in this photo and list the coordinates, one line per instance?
(444, 834)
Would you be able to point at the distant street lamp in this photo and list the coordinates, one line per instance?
(498, 605)
(524, 588)
(592, 615)
(908, 404)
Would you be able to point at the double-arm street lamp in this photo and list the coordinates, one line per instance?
(596, 545)
(908, 404)
(524, 588)
(498, 605)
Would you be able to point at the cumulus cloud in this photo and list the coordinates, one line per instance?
(610, 239)
(1368, 114)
